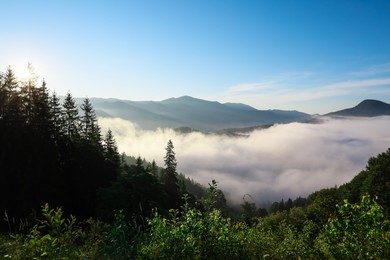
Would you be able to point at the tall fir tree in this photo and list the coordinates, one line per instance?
(138, 168)
(111, 149)
(3, 95)
(27, 91)
(153, 169)
(56, 116)
(89, 126)
(41, 117)
(11, 108)
(169, 177)
(71, 117)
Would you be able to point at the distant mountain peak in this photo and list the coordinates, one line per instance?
(368, 107)
(370, 103)
(186, 99)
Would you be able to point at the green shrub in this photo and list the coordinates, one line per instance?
(357, 231)
(193, 234)
(53, 237)
(120, 240)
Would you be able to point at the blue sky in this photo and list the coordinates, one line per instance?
(312, 56)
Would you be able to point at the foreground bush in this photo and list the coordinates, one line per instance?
(357, 231)
(54, 237)
(193, 234)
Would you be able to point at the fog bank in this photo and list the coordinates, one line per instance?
(283, 161)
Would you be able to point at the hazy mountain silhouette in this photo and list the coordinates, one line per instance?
(192, 112)
(367, 108)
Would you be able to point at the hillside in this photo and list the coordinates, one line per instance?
(191, 112)
(367, 108)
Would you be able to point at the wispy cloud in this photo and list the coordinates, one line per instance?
(288, 90)
(252, 87)
(334, 90)
(272, 83)
(287, 160)
(373, 70)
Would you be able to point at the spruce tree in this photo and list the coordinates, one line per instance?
(28, 90)
(3, 95)
(153, 169)
(56, 115)
(71, 117)
(41, 116)
(11, 108)
(138, 168)
(90, 128)
(111, 149)
(169, 177)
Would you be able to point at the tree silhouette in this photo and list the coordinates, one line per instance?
(111, 149)
(89, 126)
(169, 177)
(71, 116)
(11, 106)
(57, 116)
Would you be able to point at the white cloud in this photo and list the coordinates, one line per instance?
(283, 93)
(373, 70)
(333, 90)
(252, 87)
(301, 90)
(283, 161)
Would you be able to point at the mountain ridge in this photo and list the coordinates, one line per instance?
(195, 113)
(212, 116)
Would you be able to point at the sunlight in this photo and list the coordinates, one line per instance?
(21, 72)
(25, 73)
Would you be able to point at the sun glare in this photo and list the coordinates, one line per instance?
(24, 72)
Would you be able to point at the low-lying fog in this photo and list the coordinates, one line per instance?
(288, 160)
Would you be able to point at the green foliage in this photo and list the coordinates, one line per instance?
(374, 180)
(137, 193)
(321, 204)
(120, 242)
(193, 234)
(54, 236)
(215, 199)
(57, 237)
(282, 241)
(357, 231)
(250, 212)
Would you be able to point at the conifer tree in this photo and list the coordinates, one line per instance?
(28, 90)
(169, 177)
(3, 95)
(56, 115)
(41, 116)
(111, 149)
(138, 167)
(90, 128)
(11, 108)
(153, 168)
(71, 116)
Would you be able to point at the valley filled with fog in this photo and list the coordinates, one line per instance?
(286, 160)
